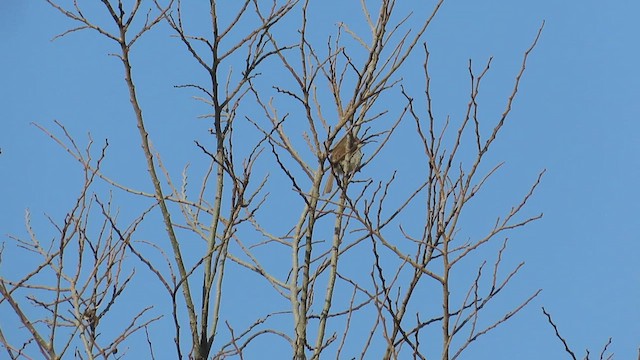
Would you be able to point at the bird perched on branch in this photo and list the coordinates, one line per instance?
(345, 158)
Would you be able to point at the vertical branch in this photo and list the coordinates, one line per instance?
(209, 274)
(224, 100)
(151, 168)
(446, 268)
(331, 281)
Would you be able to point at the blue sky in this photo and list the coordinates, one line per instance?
(577, 116)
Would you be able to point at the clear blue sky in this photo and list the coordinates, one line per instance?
(578, 116)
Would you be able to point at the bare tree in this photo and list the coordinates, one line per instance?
(357, 273)
(81, 275)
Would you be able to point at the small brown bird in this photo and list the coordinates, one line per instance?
(345, 158)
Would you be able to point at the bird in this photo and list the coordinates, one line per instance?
(345, 158)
